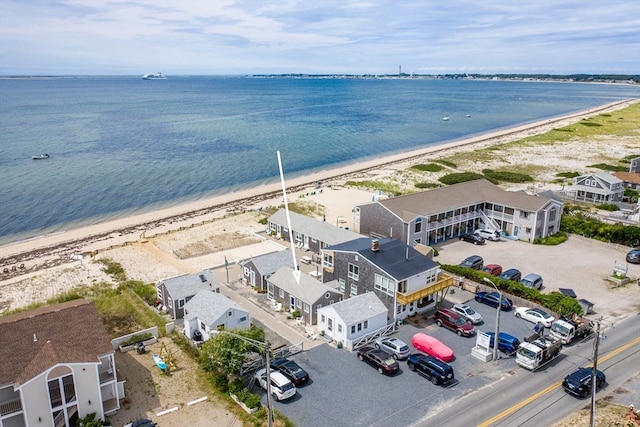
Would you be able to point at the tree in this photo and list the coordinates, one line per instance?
(90, 421)
(228, 353)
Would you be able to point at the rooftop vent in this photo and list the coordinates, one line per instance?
(375, 245)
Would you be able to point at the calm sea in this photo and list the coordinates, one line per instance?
(123, 145)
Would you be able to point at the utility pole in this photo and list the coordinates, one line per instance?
(592, 418)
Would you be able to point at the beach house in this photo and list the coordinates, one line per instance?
(433, 216)
(599, 187)
(404, 280)
(175, 292)
(306, 295)
(256, 270)
(58, 365)
(211, 311)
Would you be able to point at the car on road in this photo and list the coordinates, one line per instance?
(534, 315)
(473, 261)
(142, 422)
(468, 313)
(394, 346)
(379, 359)
(281, 387)
(532, 280)
(633, 256)
(578, 383)
(432, 346)
(507, 343)
(488, 234)
(493, 269)
(435, 370)
(455, 322)
(291, 370)
(511, 274)
(493, 299)
(472, 238)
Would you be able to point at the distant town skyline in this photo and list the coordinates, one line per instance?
(230, 37)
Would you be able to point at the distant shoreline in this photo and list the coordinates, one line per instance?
(88, 238)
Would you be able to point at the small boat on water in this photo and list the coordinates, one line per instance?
(154, 76)
(445, 118)
(159, 362)
(40, 157)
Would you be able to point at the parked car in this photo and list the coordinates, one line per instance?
(578, 383)
(511, 274)
(379, 359)
(488, 234)
(432, 346)
(453, 321)
(472, 238)
(468, 313)
(493, 269)
(394, 346)
(281, 387)
(493, 299)
(534, 315)
(291, 370)
(532, 281)
(633, 256)
(435, 370)
(506, 343)
(474, 261)
(142, 422)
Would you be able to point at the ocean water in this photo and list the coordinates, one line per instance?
(123, 145)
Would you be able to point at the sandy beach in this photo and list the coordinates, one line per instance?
(173, 229)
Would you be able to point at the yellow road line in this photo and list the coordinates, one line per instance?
(553, 386)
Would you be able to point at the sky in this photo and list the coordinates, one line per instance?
(231, 37)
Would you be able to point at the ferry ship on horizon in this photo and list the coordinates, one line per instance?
(154, 76)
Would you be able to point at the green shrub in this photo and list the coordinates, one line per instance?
(138, 337)
(456, 178)
(553, 240)
(295, 314)
(426, 185)
(146, 291)
(429, 167)
(567, 174)
(252, 401)
(611, 168)
(113, 269)
(242, 394)
(218, 380)
(506, 176)
(236, 385)
(446, 163)
(608, 207)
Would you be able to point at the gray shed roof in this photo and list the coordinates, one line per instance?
(268, 263)
(308, 290)
(360, 307)
(393, 256)
(209, 306)
(448, 198)
(320, 230)
(190, 284)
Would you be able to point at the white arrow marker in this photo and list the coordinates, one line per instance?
(296, 270)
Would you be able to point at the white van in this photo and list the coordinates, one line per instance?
(488, 234)
(281, 387)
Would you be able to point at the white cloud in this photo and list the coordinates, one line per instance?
(259, 36)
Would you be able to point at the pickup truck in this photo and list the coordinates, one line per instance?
(536, 350)
(568, 329)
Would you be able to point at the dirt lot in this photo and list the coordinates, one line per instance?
(150, 392)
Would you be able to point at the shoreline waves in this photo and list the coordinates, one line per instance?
(66, 245)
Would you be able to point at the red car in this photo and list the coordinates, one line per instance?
(493, 269)
(432, 346)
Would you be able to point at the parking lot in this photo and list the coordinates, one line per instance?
(344, 391)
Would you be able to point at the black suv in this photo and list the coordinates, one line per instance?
(578, 383)
(435, 370)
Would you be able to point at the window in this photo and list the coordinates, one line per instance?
(330, 324)
(322, 318)
(354, 290)
(340, 328)
(552, 215)
(341, 282)
(402, 287)
(62, 395)
(306, 308)
(384, 284)
(418, 226)
(353, 329)
(243, 319)
(327, 260)
(359, 327)
(353, 271)
(524, 215)
(527, 230)
(366, 324)
(229, 313)
(203, 326)
(180, 303)
(281, 293)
